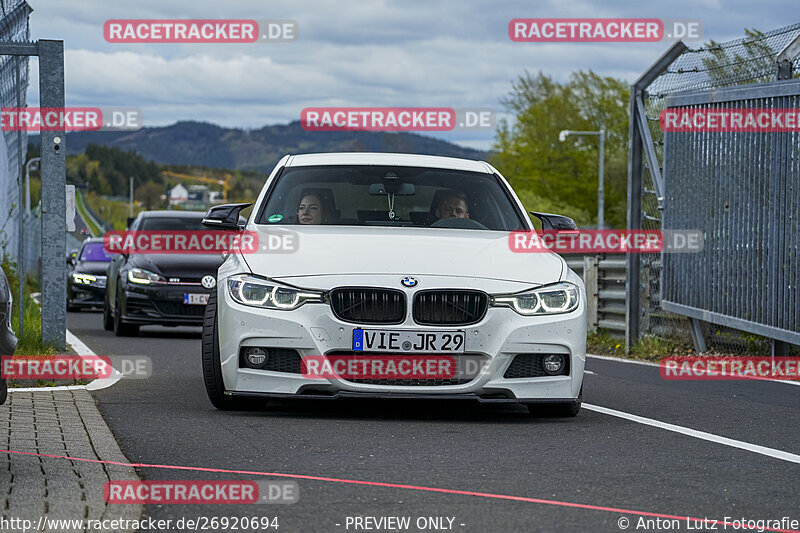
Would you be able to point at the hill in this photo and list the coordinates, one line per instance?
(209, 145)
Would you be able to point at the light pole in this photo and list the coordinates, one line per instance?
(600, 192)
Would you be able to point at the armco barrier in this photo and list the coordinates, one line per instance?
(604, 275)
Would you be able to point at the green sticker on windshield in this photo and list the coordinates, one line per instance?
(275, 218)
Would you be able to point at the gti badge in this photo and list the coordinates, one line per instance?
(209, 282)
(409, 281)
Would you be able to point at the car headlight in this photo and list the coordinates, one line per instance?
(83, 279)
(548, 300)
(257, 292)
(144, 277)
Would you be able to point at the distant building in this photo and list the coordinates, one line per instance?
(178, 195)
(198, 197)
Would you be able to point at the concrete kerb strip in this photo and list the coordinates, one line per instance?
(63, 419)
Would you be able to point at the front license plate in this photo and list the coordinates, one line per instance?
(192, 298)
(387, 340)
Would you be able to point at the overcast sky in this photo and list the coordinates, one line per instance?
(453, 53)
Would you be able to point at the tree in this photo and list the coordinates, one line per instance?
(726, 66)
(563, 175)
(149, 194)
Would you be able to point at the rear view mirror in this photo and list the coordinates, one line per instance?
(225, 217)
(398, 189)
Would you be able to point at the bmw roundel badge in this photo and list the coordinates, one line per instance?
(409, 281)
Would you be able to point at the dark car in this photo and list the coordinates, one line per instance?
(164, 289)
(86, 282)
(8, 341)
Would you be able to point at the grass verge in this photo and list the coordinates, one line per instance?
(603, 342)
(94, 229)
(114, 212)
(30, 342)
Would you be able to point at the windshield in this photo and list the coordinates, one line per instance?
(390, 196)
(172, 224)
(94, 251)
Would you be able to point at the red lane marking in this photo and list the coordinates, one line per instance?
(392, 485)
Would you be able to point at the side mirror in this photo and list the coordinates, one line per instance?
(556, 222)
(129, 222)
(224, 217)
(72, 257)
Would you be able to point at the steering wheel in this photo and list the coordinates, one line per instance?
(458, 223)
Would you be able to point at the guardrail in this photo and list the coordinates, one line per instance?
(604, 276)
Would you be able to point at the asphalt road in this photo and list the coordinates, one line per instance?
(595, 459)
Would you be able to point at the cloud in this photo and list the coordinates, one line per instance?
(355, 53)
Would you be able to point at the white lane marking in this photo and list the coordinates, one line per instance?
(588, 372)
(755, 448)
(648, 363)
(78, 345)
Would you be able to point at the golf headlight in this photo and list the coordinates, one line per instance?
(83, 279)
(258, 292)
(548, 300)
(144, 277)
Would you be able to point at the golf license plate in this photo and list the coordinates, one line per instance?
(398, 341)
(193, 298)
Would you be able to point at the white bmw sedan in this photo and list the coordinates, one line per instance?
(391, 275)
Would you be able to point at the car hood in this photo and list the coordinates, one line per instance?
(92, 267)
(347, 250)
(178, 265)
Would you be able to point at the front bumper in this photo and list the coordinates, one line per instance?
(312, 329)
(82, 295)
(163, 304)
(8, 341)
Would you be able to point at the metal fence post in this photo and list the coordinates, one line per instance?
(636, 140)
(53, 171)
(632, 282)
(592, 295)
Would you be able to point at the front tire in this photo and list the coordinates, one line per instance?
(212, 369)
(120, 328)
(108, 320)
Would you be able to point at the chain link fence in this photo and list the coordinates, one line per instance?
(13, 87)
(749, 60)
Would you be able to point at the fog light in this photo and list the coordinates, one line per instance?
(256, 357)
(553, 363)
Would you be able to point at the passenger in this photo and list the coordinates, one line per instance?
(315, 209)
(310, 210)
(454, 205)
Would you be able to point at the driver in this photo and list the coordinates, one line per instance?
(454, 205)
